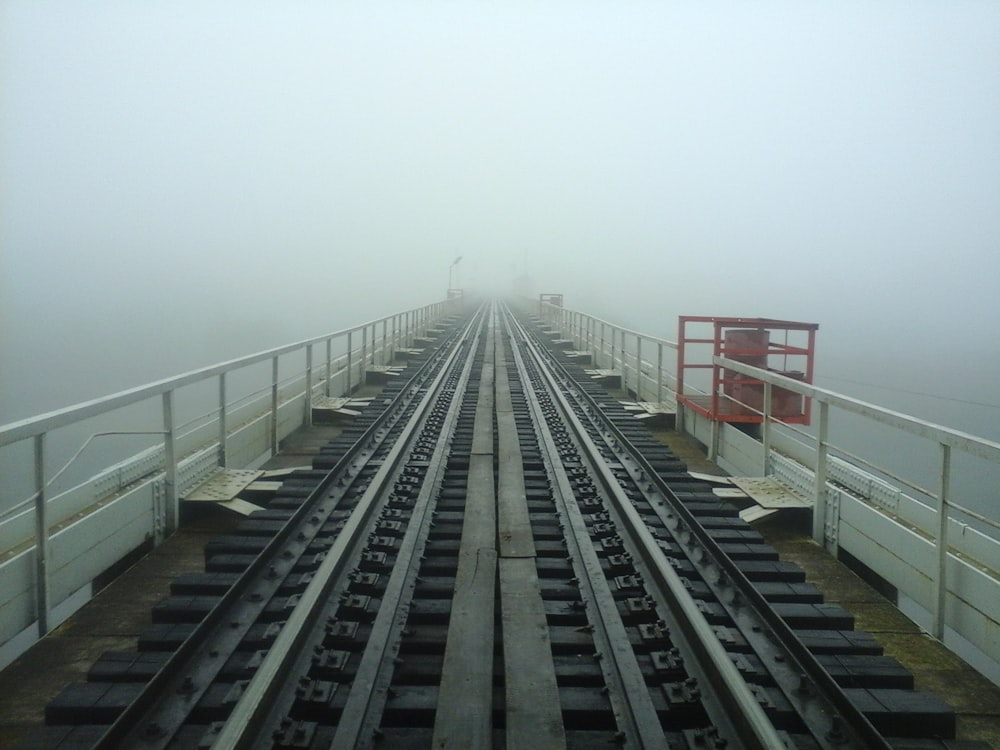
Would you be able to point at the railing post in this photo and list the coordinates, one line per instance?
(274, 406)
(765, 428)
(624, 366)
(819, 507)
(597, 364)
(385, 339)
(329, 368)
(350, 364)
(659, 372)
(614, 347)
(309, 385)
(170, 467)
(364, 354)
(223, 420)
(638, 367)
(42, 602)
(941, 579)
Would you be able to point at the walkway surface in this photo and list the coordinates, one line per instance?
(935, 669)
(115, 617)
(118, 614)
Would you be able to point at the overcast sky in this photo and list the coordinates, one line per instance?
(185, 182)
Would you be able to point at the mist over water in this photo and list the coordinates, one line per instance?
(185, 184)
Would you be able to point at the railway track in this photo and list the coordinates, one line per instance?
(496, 554)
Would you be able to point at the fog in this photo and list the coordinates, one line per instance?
(182, 183)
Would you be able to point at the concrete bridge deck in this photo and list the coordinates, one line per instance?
(119, 613)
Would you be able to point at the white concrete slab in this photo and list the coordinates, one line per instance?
(755, 513)
(768, 492)
(241, 506)
(223, 485)
(649, 409)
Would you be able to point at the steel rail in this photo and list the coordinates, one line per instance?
(463, 719)
(833, 720)
(153, 717)
(750, 726)
(831, 717)
(243, 727)
(359, 721)
(630, 699)
(533, 711)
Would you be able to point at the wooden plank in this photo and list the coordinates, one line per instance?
(534, 714)
(533, 711)
(482, 434)
(464, 717)
(514, 524)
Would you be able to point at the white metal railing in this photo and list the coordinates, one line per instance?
(946, 438)
(627, 352)
(808, 461)
(344, 355)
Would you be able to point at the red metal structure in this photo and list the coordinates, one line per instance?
(733, 397)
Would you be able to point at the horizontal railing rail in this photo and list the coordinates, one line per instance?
(922, 505)
(183, 450)
(32, 427)
(621, 351)
(947, 439)
(963, 441)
